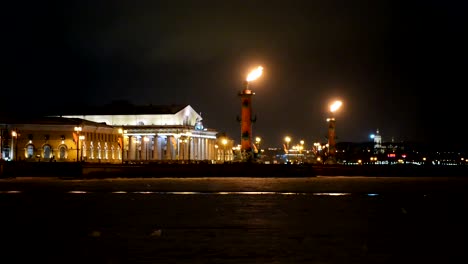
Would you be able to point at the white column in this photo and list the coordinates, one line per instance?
(197, 148)
(150, 147)
(210, 149)
(169, 148)
(144, 147)
(204, 149)
(156, 148)
(132, 148)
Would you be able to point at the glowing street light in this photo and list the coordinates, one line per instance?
(78, 129)
(224, 148)
(301, 148)
(14, 135)
(121, 142)
(82, 138)
(287, 139)
(257, 143)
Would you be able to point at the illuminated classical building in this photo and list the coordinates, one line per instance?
(113, 133)
(58, 139)
(157, 133)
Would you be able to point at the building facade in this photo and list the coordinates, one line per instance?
(114, 134)
(58, 139)
(157, 133)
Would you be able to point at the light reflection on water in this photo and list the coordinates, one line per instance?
(14, 191)
(211, 193)
(78, 192)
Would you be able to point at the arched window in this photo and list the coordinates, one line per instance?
(30, 151)
(62, 152)
(47, 152)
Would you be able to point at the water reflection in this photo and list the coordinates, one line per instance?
(11, 191)
(214, 193)
(80, 192)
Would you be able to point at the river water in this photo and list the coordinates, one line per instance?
(234, 220)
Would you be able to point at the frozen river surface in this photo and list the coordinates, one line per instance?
(235, 220)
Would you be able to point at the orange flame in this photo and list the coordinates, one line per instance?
(253, 75)
(335, 106)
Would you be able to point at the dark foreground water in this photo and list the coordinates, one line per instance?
(234, 220)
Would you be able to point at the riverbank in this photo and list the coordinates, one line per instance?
(86, 170)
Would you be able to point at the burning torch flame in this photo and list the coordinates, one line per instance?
(335, 106)
(253, 75)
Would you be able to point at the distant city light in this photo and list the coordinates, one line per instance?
(372, 136)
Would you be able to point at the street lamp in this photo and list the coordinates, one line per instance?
(121, 142)
(257, 143)
(77, 130)
(82, 138)
(224, 149)
(14, 135)
(217, 152)
(287, 140)
(301, 148)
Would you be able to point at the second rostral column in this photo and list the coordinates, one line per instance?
(246, 115)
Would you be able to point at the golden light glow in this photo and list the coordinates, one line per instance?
(335, 106)
(253, 75)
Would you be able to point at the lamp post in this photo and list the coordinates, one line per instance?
(224, 149)
(287, 139)
(257, 143)
(77, 130)
(122, 142)
(301, 148)
(82, 138)
(14, 137)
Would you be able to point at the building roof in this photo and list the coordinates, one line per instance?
(124, 108)
(49, 121)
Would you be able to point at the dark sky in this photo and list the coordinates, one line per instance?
(399, 66)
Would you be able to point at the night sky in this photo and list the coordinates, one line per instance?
(398, 66)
